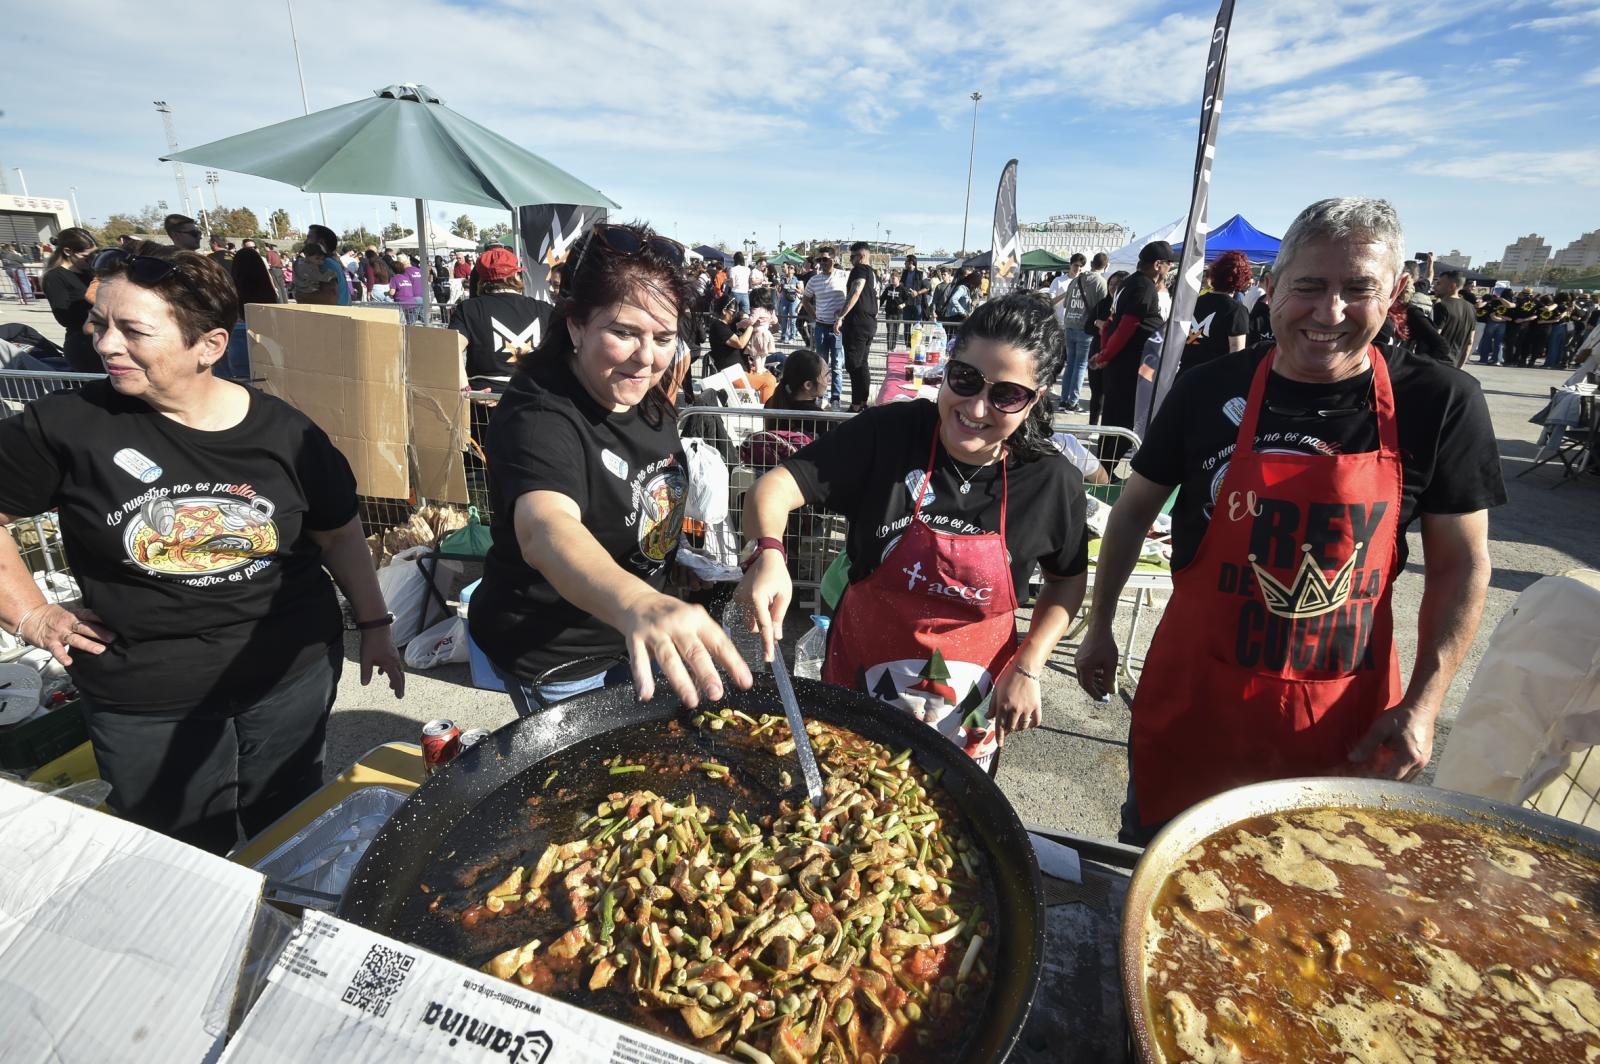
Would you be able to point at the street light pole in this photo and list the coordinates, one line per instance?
(305, 101)
(972, 151)
(22, 178)
(77, 216)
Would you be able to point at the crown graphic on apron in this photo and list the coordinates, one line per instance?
(1311, 594)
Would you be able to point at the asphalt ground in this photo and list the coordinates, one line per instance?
(1071, 773)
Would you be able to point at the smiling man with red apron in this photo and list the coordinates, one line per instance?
(1276, 652)
(932, 626)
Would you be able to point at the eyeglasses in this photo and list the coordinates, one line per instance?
(143, 270)
(1005, 396)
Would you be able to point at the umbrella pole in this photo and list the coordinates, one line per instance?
(516, 235)
(422, 253)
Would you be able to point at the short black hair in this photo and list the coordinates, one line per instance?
(860, 245)
(1454, 275)
(1077, 259)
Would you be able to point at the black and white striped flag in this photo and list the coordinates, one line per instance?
(1161, 361)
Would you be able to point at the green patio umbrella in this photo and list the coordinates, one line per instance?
(402, 142)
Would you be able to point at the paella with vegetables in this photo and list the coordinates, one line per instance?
(857, 931)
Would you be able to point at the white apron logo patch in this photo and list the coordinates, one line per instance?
(615, 463)
(141, 468)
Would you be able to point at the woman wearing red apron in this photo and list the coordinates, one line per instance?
(950, 507)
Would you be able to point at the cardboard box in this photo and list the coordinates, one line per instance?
(436, 382)
(116, 944)
(341, 992)
(343, 368)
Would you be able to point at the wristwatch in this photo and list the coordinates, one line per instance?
(753, 549)
(379, 622)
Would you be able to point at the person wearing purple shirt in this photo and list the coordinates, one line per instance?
(406, 288)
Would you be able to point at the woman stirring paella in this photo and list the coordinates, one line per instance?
(950, 507)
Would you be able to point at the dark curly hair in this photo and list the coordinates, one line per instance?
(595, 277)
(1230, 273)
(1019, 320)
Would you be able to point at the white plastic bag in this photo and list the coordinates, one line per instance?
(405, 592)
(443, 644)
(1535, 697)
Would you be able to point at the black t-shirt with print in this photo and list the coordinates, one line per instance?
(627, 478)
(191, 545)
(863, 317)
(1448, 455)
(1218, 317)
(499, 326)
(866, 467)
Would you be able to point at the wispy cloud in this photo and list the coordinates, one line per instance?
(1592, 77)
(1580, 166)
(1584, 14)
(1376, 151)
(1385, 104)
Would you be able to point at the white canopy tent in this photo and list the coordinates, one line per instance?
(438, 240)
(1127, 256)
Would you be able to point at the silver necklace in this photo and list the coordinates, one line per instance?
(966, 482)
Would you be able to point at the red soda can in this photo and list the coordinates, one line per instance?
(441, 742)
(472, 737)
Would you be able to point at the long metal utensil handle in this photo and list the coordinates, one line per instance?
(802, 741)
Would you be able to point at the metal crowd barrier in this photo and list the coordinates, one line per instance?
(19, 387)
(38, 537)
(814, 537)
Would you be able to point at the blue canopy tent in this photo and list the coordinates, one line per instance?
(708, 252)
(1236, 234)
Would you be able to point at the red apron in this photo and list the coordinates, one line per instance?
(931, 627)
(1276, 652)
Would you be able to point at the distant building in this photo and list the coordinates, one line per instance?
(1582, 254)
(1527, 254)
(1454, 261)
(1064, 234)
(28, 220)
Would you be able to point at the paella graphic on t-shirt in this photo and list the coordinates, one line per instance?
(659, 495)
(200, 533)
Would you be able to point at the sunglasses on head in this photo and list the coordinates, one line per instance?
(966, 381)
(626, 240)
(143, 270)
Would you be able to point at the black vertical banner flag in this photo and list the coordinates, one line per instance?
(1161, 361)
(549, 230)
(1005, 260)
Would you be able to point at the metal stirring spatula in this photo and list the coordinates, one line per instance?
(802, 741)
(736, 622)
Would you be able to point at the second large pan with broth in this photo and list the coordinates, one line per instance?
(660, 865)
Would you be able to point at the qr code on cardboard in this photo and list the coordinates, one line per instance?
(382, 973)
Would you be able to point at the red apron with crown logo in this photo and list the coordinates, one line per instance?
(1276, 652)
(931, 627)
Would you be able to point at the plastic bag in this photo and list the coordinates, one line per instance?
(405, 592)
(443, 644)
(471, 540)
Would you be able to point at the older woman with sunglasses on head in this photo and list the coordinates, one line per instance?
(198, 516)
(951, 505)
(588, 482)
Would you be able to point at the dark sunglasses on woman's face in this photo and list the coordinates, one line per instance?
(1005, 396)
(143, 270)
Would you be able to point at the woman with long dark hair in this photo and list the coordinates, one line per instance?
(587, 479)
(67, 275)
(939, 558)
(254, 284)
(801, 387)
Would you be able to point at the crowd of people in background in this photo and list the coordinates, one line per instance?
(751, 313)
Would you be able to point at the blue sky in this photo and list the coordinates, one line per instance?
(716, 120)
